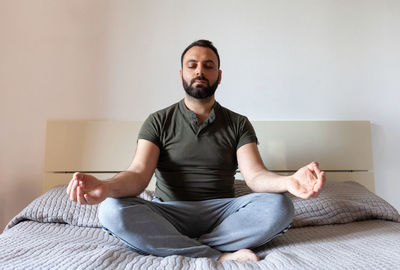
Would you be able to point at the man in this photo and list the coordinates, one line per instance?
(195, 147)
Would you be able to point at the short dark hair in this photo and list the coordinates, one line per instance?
(201, 43)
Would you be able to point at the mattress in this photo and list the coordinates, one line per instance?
(346, 227)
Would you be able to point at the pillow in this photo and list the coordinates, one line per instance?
(338, 202)
(55, 206)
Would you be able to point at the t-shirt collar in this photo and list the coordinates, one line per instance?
(191, 116)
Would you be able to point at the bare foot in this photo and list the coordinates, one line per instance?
(242, 255)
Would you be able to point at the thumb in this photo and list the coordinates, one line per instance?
(312, 166)
(78, 176)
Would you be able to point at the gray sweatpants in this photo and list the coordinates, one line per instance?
(197, 228)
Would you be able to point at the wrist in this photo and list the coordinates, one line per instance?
(108, 188)
(287, 182)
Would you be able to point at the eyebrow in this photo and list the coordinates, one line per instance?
(192, 60)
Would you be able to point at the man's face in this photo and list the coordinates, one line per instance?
(200, 74)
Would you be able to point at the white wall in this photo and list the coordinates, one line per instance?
(281, 60)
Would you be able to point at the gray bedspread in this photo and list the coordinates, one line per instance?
(347, 227)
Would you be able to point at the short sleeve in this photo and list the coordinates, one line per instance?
(247, 133)
(150, 130)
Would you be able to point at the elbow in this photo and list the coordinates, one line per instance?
(251, 182)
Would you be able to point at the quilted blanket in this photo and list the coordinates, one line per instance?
(345, 227)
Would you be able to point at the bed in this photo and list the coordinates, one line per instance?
(346, 227)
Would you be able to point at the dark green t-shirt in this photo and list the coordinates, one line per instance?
(197, 162)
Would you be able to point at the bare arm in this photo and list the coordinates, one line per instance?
(135, 179)
(87, 189)
(303, 183)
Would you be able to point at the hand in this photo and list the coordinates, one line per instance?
(87, 189)
(304, 184)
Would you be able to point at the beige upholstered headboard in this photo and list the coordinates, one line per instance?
(105, 147)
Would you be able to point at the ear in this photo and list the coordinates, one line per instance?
(220, 76)
(180, 74)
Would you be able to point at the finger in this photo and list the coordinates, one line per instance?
(81, 198)
(304, 196)
(316, 194)
(79, 176)
(312, 165)
(304, 193)
(72, 194)
(307, 195)
(322, 178)
(70, 186)
(89, 199)
(313, 194)
(82, 184)
(320, 181)
(71, 183)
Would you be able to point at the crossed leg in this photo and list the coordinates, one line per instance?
(250, 221)
(162, 229)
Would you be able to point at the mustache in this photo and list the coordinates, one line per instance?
(202, 78)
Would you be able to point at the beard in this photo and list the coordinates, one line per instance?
(200, 91)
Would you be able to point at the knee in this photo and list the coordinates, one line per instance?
(111, 214)
(107, 211)
(271, 213)
(277, 207)
(116, 214)
(286, 207)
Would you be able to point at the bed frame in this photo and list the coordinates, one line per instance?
(104, 148)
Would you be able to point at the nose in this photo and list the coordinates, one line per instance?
(199, 70)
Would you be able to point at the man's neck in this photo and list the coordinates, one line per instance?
(201, 107)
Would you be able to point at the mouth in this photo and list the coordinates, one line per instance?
(200, 81)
